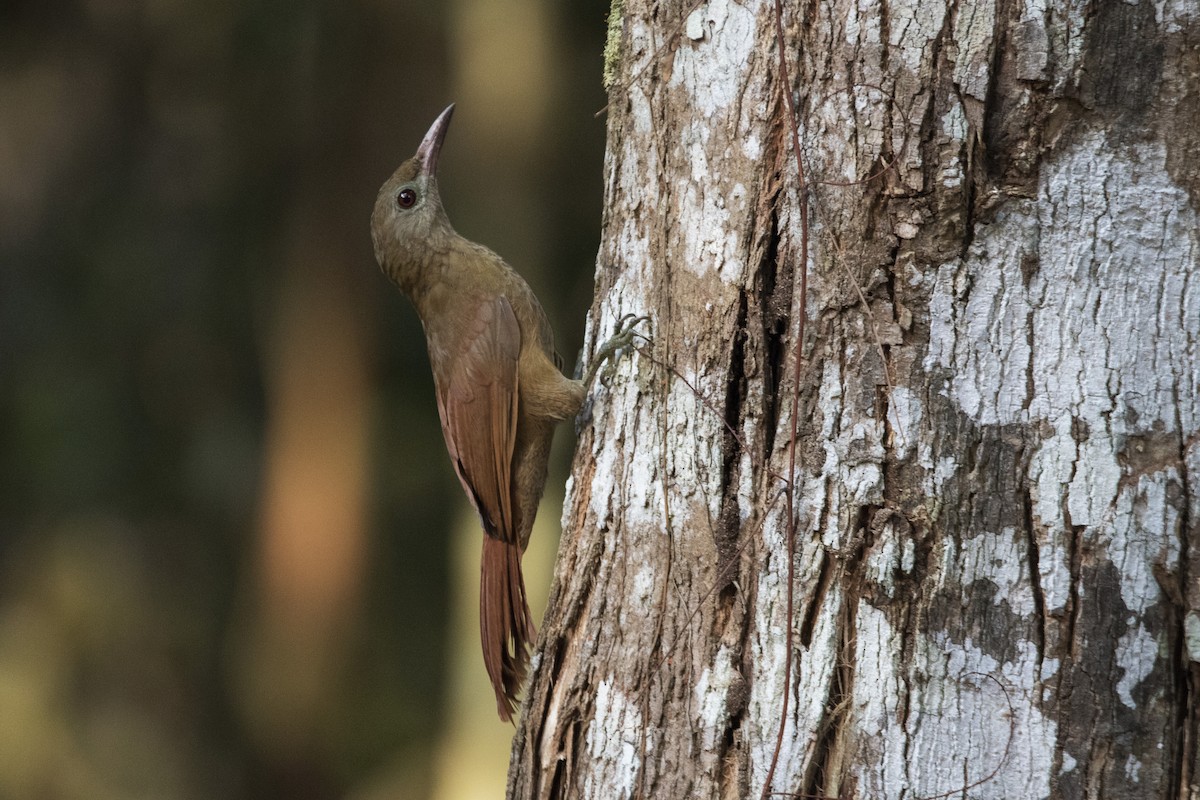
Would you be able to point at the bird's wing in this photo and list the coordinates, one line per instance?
(478, 406)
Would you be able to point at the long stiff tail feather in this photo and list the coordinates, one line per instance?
(505, 624)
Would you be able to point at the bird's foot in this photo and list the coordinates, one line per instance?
(625, 336)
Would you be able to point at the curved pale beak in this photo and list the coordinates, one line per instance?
(431, 145)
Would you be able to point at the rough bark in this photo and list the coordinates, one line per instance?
(998, 437)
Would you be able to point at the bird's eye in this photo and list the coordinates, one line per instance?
(407, 198)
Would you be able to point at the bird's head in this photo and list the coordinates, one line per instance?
(408, 225)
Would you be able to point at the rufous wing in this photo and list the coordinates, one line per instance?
(478, 405)
(478, 402)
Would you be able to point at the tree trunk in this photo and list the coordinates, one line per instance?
(995, 422)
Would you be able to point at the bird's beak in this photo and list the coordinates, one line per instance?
(431, 145)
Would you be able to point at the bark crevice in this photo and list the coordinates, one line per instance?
(774, 301)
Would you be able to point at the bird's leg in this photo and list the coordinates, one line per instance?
(624, 337)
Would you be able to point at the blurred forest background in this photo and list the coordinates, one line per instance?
(234, 559)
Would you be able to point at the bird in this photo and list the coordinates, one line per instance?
(498, 382)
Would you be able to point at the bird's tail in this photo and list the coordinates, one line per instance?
(505, 624)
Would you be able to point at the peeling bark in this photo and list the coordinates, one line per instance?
(996, 584)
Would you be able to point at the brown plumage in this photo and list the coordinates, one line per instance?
(499, 390)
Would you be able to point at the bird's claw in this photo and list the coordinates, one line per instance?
(626, 334)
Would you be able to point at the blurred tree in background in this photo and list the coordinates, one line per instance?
(225, 510)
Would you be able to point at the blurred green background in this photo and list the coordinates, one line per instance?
(234, 559)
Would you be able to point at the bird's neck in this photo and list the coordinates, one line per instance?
(432, 272)
(417, 269)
